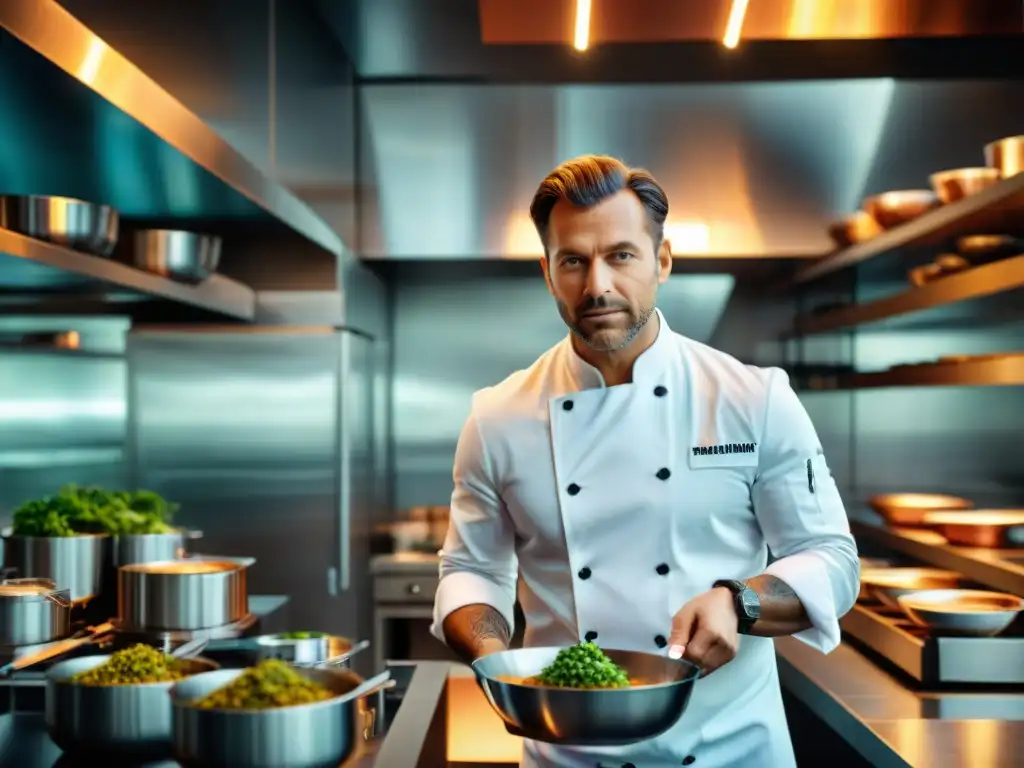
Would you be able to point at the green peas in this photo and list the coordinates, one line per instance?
(583, 666)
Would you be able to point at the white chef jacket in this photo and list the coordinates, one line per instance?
(617, 505)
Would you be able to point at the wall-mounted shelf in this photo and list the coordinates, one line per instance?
(88, 123)
(997, 210)
(991, 567)
(986, 280)
(26, 262)
(1003, 371)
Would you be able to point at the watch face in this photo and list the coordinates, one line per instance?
(751, 603)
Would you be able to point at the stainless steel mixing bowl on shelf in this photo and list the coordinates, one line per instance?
(587, 717)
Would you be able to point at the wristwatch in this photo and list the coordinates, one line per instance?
(746, 601)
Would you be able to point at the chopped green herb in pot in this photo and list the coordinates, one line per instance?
(75, 510)
(270, 684)
(133, 666)
(583, 666)
(300, 635)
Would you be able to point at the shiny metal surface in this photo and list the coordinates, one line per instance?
(74, 563)
(971, 612)
(186, 256)
(959, 183)
(33, 611)
(453, 336)
(181, 595)
(891, 724)
(327, 650)
(133, 114)
(110, 722)
(75, 224)
(1006, 155)
(242, 428)
(331, 730)
(587, 717)
(151, 547)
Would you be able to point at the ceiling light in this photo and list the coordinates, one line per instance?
(735, 24)
(581, 37)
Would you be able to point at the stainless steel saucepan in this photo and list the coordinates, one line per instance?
(587, 717)
(319, 735)
(321, 650)
(103, 721)
(188, 257)
(33, 611)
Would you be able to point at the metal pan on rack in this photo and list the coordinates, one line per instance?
(965, 612)
(75, 224)
(910, 508)
(887, 585)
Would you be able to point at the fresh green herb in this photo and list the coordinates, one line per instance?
(270, 684)
(583, 666)
(75, 510)
(138, 664)
(300, 635)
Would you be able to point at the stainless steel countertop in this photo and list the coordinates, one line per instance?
(892, 725)
(405, 564)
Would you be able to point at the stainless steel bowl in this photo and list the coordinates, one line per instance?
(75, 224)
(188, 257)
(965, 612)
(75, 563)
(102, 721)
(33, 611)
(888, 585)
(188, 594)
(320, 735)
(583, 717)
(1006, 155)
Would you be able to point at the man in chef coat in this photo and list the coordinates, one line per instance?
(635, 481)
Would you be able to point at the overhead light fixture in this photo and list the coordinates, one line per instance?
(688, 238)
(735, 24)
(581, 36)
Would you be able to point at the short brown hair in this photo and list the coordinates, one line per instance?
(586, 181)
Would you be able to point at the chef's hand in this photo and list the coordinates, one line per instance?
(704, 631)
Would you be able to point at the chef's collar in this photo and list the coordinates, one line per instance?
(647, 368)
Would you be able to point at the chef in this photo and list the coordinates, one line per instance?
(635, 481)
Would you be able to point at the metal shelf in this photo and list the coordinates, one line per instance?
(74, 97)
(997, 210)
(991, 567)
(975, 283)
(53, 266)
(993, 372)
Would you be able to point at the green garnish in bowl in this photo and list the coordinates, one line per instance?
(583, 666)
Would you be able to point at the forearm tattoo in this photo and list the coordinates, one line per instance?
(469, 629)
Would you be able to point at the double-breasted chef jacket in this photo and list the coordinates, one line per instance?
(617, 505)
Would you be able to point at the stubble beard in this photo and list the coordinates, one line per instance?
(609, 345)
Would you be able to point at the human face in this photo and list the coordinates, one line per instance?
(603, 270)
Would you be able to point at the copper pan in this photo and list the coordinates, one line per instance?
(890, 209)
(959, 183)
(1006, 155)
(853, 229)
(910, 508)
(886, 585)
(990, 528)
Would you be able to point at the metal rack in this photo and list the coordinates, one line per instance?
(983, 372)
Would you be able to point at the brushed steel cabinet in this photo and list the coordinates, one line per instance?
(265, 437)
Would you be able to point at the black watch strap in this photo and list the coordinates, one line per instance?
(746, 601)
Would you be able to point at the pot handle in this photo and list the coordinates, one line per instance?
(375, 684)
(341, 658)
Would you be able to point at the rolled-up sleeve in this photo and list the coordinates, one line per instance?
(802, 516)
(478, 562)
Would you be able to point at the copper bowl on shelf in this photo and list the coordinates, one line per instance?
(988, 528)
(958, 183)
(984, 247)
(887, 585)
(891, 209)
(1006, 155)
(964, 612)
(853, 229)
(910, 508)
